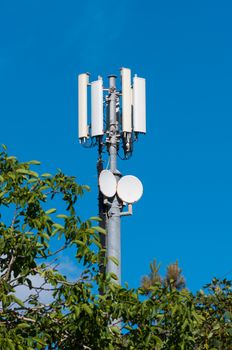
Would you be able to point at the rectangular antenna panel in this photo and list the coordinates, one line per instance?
(139, 105)
(126, 100)
(83, 80)
(97, 108)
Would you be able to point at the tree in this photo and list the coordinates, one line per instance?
(172, 279)
(154, 276)
(77, 316)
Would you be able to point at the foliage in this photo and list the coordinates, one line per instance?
(154, 277)
(78, 316)
(172, 279)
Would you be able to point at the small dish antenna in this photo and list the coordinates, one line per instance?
(130, 189)
(107, 183)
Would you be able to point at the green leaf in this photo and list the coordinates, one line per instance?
(45, 235)
(58, 226)
(88, 310)
(77, 241)
(34, 162)
(112, 275)
(115, 329)
(95, 218)
(33, 173)
(99, 229)
(10, 344)
(27, 172)
(50, 211)
(23, 171)
(158, 341)
(23, 325)
(32, 181)
(46, 175)
(115, 261)
(62, 216)
(77, 311)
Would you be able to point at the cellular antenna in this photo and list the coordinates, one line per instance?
(117, 117)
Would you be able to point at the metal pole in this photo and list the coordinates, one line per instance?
(101, 206)
(113, 238)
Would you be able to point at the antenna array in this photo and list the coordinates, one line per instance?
(94, 123)
(119, 124)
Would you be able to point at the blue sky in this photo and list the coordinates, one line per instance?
(184, 50)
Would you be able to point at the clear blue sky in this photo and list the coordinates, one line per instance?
(184, 49)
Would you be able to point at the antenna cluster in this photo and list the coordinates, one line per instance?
(94, 120)
(111, 118)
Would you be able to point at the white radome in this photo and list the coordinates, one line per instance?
(107, 183)
(129, 189)
(97, 108)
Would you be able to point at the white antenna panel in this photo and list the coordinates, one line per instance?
(97, 108)
(126, 100)
(129, 189)
(139, 104)
(83, 80)
(107, 183)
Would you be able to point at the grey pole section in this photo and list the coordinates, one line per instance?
(113, 239)
(101, 206)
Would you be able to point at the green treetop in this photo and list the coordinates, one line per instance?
(34, 236)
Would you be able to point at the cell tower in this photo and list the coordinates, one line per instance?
(115, 120)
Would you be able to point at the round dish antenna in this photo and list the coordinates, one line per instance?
(107, 183)
(130, 189)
